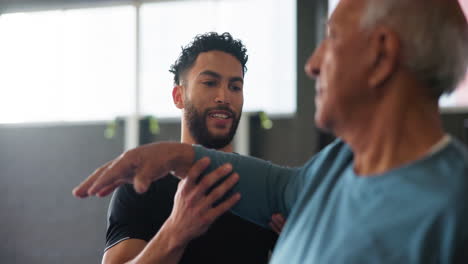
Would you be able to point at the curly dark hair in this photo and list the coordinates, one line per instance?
(208, 42)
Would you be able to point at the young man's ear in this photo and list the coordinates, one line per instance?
(178, 96)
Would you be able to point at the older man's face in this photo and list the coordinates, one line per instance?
(338, 64)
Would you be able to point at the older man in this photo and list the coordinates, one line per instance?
(393, 187)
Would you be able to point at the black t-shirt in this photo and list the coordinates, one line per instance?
(230, 239)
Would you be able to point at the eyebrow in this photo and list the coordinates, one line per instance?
(218, 76)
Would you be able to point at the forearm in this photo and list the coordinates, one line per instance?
(166, 247)
(265, 188)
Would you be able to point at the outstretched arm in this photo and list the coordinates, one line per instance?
(265, 187)
(139, 166)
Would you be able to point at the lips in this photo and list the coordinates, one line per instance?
(318, 88)
(220, 114)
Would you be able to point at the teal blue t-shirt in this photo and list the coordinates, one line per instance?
(417, 213)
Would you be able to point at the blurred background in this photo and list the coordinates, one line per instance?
(83, 80)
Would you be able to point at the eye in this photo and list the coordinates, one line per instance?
(209, 83)
(236, 88)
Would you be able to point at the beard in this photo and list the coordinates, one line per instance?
(199, 131)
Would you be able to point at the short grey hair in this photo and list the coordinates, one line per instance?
(435, 43)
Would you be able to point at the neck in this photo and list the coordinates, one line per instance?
(399, 130)
(186, 137)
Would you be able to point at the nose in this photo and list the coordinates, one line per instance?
(313, 64)
(222, 96)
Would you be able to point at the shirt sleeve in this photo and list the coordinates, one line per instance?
(265, 188)
(129, 216)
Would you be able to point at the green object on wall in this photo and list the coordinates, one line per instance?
(153, 125)
(111, 130)
(265, 121)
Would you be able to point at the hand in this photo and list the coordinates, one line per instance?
(139, 166)
(193, 210)
(277, 223)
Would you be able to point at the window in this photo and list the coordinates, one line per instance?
(266, 27)
(332, 5)
(80, 64)
(66, 65)
(459, 98)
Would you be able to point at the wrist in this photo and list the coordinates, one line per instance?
(176, 239)
(163, 248)
(181, 157)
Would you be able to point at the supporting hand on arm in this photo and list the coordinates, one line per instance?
(192, 214)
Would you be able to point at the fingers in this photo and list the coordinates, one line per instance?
(221, 190)
(277, 223)
(214, 212)
(141, 183)
(109, 189)
(274, 228)
(213, 177)
(119, 171)
(196, 170)
(81, 190)
(142, 175)
(223, 207)
(139, 166)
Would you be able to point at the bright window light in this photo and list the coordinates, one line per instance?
(165, 28)
(459, 98)
(79, 65)
(267, 28)
(67, 65)
(332, 5)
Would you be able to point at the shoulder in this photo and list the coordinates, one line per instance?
(455, 168)
(451, 164)
(160, 192)
(444, 179)
(458, 150)
(139, 216)
(336, 154)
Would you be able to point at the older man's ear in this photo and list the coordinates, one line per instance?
(384, 56)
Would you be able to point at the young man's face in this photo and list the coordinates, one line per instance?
(212, 95)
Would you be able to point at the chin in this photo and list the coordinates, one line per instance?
(322, 123)
(219, 131)
(219, 136)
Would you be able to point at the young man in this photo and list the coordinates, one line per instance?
(208, 78)
(393, 187)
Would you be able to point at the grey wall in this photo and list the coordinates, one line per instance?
(41, 222)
